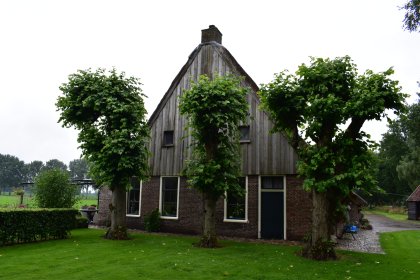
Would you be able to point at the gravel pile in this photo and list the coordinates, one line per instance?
(366, 241)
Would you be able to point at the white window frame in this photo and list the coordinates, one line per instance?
(177, 199)
(126, 202)
(226, 219)
(284, 203)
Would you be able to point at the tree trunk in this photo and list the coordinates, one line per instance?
(319, 246)
(209, 237)
(118, 229)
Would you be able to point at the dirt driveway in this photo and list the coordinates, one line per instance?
(368, 240)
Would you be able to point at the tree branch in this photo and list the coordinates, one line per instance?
(353, 129)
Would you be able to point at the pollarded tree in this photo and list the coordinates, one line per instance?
(108, 110)
(214, 109)
(321, 109)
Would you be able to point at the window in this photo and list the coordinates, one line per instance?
(272, 182)
(169, 197)
(134, 197)
(244, 133)
(236, 205)
(168, 138)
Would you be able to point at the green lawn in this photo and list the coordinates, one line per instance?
(394, 216)
(150, 256)
(13, 201)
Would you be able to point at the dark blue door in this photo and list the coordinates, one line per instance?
(272, 215)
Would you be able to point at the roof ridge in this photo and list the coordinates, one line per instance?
(184, 69)
(415, 195)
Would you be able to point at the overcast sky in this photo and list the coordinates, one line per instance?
(42, 42)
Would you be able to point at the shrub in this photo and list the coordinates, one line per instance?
(152, 221)
(81, 222)
(53, 189)
(29, 225)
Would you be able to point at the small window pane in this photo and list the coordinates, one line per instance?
(133, 197)
(272, 182)
(235, 204)
(169, 196)
(168, 138)
(244, 130)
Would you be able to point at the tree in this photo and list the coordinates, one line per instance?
(54, 190)
(409, 167)
(312, 109)
(399, 160)
(12, 172)
(393, 147)
(78, 169)
(54, 164)
(411, 20)
(108, 111)
(33, 169)
(214, 109)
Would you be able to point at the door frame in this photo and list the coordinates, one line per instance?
(284, 203)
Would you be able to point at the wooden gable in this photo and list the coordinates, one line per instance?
(264, 154)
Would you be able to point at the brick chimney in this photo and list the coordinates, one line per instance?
(211, 34)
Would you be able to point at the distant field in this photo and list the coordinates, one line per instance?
(13, 201)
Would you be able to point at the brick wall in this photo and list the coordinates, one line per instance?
(189, 220)
(103, 217)
(298, 209)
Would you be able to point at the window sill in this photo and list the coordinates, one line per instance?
(244, 141)
(132, 215)
(235, 221)
(168, 146)
(168, 218)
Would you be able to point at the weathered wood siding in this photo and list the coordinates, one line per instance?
(265, 154)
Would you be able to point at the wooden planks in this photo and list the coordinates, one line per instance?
(265, 154)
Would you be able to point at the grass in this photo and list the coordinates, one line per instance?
(12, 201)
(393, 216)
(151, 256)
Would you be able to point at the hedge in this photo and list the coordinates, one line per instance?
(29, 225)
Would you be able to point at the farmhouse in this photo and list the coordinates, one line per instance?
(275, 205)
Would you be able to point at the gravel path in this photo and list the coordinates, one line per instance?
(368, 240)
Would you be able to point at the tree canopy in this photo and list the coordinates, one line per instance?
(321, 109)
(54, 164)
(79, 169)
(12, 172)
(33, 169)
(108, 110)
(214, 109)
(412, 15)
(398, 158)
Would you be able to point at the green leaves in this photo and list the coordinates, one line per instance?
(108, 110)
(214, 109)
(29, 225)
(313, 106)
(53, 189)
(412, 15)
